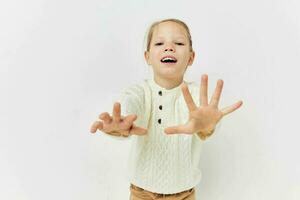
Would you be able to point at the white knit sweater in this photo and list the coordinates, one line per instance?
(159, 162)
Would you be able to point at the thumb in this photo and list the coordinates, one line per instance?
(135, 130)
(176, 129)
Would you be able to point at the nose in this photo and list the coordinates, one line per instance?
(169, 47)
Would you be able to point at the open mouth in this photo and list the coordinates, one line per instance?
(168, 59)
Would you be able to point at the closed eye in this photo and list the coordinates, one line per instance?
(160, 43)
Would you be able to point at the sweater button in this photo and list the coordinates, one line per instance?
(159, 121)
(160, 107)
(160, 93)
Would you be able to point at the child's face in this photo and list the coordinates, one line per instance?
(169, 39)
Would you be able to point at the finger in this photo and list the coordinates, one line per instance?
(128, 120)
(216, 96)
(177, 129)
(188, 98)
(95, 126)
(231, 108)
(203, 90)
(116, 112)
(105, 117)
(135, 130)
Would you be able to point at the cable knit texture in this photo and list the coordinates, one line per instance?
(159, 162)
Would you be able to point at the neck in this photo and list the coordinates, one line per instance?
(168, 83)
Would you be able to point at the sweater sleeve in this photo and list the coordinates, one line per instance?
(132, 102)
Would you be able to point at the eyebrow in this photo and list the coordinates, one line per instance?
(179, 37)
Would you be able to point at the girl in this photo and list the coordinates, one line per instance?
(166, 118)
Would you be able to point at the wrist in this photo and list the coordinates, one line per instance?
(205, 133)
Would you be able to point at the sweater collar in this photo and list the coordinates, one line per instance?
(163, 91)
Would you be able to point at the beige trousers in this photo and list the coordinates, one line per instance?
(137, 193)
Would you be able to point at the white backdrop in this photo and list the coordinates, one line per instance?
(64, 62)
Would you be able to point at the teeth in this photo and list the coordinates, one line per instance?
(168, 58)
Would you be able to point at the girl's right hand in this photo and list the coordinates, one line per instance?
(117, 125)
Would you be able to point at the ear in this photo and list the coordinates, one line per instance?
(191, 60)
(146, 55)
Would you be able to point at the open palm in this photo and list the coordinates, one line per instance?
(205, 117)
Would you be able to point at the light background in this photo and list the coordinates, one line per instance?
(64, 62)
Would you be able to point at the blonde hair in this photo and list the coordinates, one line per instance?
(153, 25)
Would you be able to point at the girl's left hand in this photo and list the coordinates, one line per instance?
(203, 119)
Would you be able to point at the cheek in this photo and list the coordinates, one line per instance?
(154, 55)
(184, 58)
